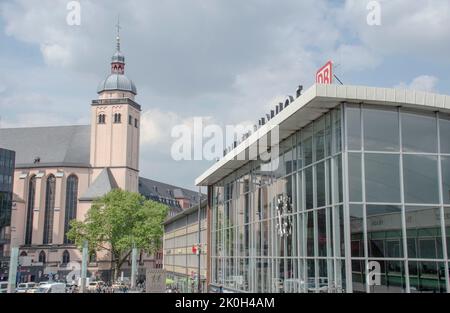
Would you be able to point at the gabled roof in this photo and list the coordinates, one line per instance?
(103, 184)
(54, 146)
(166, 194)
(154, 189)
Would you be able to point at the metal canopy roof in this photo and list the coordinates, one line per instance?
(316, 101)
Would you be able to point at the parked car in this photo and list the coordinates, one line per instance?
(3, 287)
(92, 287)
(52, 288)
(119, 287)
(70, 287)
(25, 287)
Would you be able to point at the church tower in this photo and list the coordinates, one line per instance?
(115, 126)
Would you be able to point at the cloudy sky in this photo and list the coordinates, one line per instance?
(228, 61)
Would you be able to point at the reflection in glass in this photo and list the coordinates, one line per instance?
(384, 231)
(307, 143)
(319, 139)
(354, 128)
(381, 130)
(392, 278)
(320, 184)
(328, 135)
(382, 173)
(336, 123)
(299, 198)
(309, 196)
(423, 228)
(357, 230)
(447, 229)
(322, 232)
(339, 231)
(426, 277)
(359, 276)
(311, 270)
(444, 128)
(354, 177)
(299, 151)
(265, 238)
(446, 179)
(419, 132)
(310, 234)
(421, 179)
(337, 183)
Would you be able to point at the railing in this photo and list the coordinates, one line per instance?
(115, 101)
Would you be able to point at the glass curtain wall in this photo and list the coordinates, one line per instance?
(357, 201)
(278, 226)
(398, 183)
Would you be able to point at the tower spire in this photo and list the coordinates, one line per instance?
(118, 59)
(118, 33)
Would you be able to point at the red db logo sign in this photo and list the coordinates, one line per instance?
(325, 74)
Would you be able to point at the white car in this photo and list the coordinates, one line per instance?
(52, 288)
(25, 287)
(92, 287)
(3, 287)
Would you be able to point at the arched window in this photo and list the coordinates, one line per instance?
(117, 118)
(42, 257)
(30, 210)
(71, 204)
(102, 119)
(23, 253)
(66, 257)
(49, 209)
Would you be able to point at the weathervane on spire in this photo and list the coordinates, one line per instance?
(118, 33)
(118, 60)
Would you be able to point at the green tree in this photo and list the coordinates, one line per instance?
(116, 222)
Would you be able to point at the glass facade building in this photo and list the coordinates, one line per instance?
(6, 190)
(357, 201)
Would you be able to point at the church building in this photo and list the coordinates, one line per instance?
(60, 171)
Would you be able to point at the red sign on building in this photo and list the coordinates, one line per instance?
(325, 74)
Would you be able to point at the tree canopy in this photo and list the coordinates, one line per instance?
(119, 220)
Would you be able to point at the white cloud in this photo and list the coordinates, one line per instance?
(155, 126)
(415, 27)
(422, 83)
(356, 58)
(37, 119)
(230, 60)
(55, 54)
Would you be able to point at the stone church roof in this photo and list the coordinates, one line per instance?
(48, 146)
(103, 184)
(61, 146)
(165, 193)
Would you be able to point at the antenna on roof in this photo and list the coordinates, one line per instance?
(334, 74)
(337, 78)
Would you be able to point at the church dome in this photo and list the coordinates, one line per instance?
(117, 82)
(118, 57)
